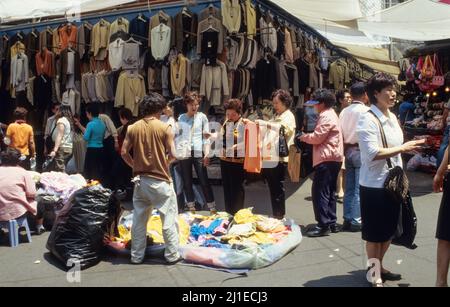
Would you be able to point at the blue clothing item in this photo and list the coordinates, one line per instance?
(215, 244)
(312, 117)
(406, 111)
(352, 206)
(95, 133)
(193, 135)
(197, 230)
(444, 145)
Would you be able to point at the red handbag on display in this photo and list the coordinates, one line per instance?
(428, 69)
(438, 78)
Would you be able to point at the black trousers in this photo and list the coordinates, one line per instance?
(93, 164)
(121, 174)
(202, 174)
(275, 179)
(109, 157)
(233, 176)
(324, 193)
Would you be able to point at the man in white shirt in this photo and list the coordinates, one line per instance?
(348, 121)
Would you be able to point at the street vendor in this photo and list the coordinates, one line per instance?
(17, 189)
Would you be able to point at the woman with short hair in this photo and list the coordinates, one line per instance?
(380, 212)
(196, 150)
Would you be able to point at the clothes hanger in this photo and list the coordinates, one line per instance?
(132, 40)
(141, 18)
(186, 12)
(33, 32)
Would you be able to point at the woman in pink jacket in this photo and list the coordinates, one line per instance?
(17, 189)
(328, 153)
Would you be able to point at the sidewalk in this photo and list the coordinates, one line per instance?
(337, 260)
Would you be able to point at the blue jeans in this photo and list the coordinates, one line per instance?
(444, 145)
(352, 208)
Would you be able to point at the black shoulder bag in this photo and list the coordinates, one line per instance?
(49, 144)
(283, 146)
(397, 183)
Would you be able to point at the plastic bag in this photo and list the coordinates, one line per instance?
(80, 227)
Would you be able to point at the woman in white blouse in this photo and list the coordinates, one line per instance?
(379, 213)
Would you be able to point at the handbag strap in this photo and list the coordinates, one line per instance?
(383, 137)
(437, 66)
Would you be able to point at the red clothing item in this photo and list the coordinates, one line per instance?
(68, 34)
(17, 193)
(327, 141)
(45, 64)
(253, 159)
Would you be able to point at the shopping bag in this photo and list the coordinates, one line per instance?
(407, 226)
(294, 165)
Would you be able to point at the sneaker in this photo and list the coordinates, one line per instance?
(40, 230)
(136, 262)
(175, 261)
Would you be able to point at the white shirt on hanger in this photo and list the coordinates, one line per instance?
(116, 54)
(160, 37)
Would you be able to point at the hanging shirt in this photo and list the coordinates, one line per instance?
(269, 37)
(231, 15)
(68, 34)
(131, 59)
(116, 54)
(100, 40)
(121, 24)
(160, 37)
(130, 91)
(19, 72)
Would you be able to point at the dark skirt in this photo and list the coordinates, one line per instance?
(93, 164)
(379, 215)
(443, 225)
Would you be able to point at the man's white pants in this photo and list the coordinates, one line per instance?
(151, 193)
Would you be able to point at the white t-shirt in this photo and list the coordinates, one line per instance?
(66, 141)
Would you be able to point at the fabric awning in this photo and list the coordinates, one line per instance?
(11, 10)
(414, 20)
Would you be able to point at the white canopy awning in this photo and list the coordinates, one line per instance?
(415, 20)
(11, 10)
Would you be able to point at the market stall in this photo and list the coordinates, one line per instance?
(427, 76)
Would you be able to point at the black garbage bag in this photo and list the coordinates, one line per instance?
(80, 227)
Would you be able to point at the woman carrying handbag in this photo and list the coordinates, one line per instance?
(380, 206)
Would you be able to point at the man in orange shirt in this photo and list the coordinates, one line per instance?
(20, 136)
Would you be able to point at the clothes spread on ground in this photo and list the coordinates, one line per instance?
(245, 241)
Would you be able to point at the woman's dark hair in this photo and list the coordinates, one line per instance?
(325, 96)
(233, 104)
(151, 104)
(340, 94)
(357, 90)
(20, 113)
(10, 157)
(93, 109)
(284, 96)
(377, 83)
(125, 113)
(65, 111)
(191, 97)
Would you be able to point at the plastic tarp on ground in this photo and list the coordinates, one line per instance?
(248, 242)
(415, 20)
(11, 10)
